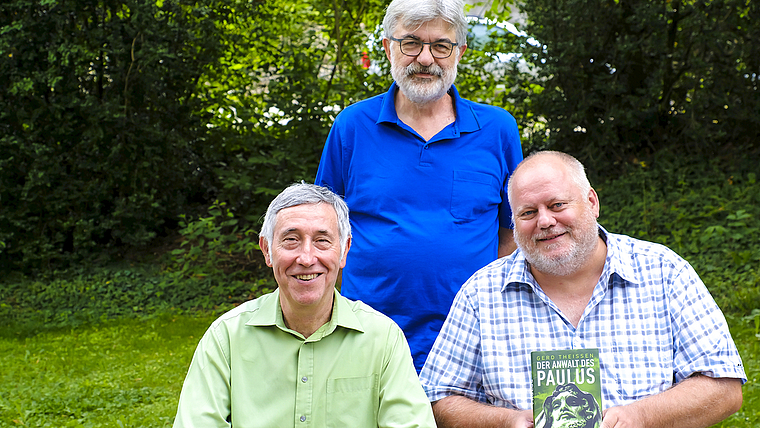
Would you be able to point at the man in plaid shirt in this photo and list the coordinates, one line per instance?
(666, 356)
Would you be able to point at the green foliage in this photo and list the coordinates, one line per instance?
(99, 123)
(278, 90)
(214, 245)
(218, 256)
(71, 298)
(621, 80)
(708, 214)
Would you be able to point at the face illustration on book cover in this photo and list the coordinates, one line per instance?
(569, 407)
(567, 389)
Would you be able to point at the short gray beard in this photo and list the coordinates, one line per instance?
(571, 261)
(423, 93)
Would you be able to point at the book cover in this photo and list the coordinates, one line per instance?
(567, 388)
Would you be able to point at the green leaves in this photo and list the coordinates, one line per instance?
(709, 216)
(631, 79)
(98, 118)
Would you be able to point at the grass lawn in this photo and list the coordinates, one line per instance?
(128, 373)
(124, 373)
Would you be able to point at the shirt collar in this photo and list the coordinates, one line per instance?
(615, 264)
(518, 272)
(270, 314)
(466, 120)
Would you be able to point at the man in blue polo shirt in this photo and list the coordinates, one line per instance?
(424, 173)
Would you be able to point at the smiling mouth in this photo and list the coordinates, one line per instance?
(308, 277)
(550, 237)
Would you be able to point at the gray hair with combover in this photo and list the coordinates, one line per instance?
(304, 193)
(414, 13)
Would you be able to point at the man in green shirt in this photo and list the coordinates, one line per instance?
(303, 356)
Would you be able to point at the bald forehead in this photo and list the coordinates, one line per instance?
(542, 165)
(540, 160)
(542, 178)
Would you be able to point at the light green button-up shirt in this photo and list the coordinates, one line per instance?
(249, 370)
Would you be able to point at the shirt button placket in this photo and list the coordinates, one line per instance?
(304, 392)
(425, 155)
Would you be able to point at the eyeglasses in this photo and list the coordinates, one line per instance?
(413, 47)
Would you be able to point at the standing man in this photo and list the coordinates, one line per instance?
(665, 353)
(303, 356)
(424, 172)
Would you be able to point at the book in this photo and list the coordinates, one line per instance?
(567, 388)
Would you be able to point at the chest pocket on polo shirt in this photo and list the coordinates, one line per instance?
(474, 194)
(351, 401)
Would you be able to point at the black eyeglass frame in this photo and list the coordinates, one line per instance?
(422, 46)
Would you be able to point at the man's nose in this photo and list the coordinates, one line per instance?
(425, 57)
(307, 254)
(546, 218)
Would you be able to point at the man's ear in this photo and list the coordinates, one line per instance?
(593, 199)
(387, 48)
(345, 253)
(462, 48)
(264, 245)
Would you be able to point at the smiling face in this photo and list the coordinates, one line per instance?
(306, 258)
(424, 78)
(555, 222)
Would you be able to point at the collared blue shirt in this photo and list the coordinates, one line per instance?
(424, 214)
(650, 315)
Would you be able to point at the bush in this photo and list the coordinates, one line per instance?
(706, 212)
(99, 124)
(615, 80)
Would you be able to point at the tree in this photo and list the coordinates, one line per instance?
(622, 79)
(100, 121)
(278, 90)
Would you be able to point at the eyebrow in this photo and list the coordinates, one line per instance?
(412, 36)
(551, 201)
(293, 229)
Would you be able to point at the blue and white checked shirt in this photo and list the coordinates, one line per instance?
(650, 315)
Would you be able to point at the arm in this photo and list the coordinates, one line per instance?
(330, 170)
(513, 155)
(699, 401)
(403, 402)
(205, 398)
(461, 412)
(506, 242)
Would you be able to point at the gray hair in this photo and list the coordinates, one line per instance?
(414, 13)
(574, 168)
(304, 193)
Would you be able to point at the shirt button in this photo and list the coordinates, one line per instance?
(427, 147)
(304, 379)
(303, 418)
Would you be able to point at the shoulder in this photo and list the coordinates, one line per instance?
(366, 312)
(494, 277)
(245, 312)
(365, 109)
(370, 319)
(648, 263)
(489, 112)
(632, 248)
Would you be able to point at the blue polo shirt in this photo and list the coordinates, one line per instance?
(424, 214)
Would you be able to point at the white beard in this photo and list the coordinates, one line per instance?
(569, 261)
(421, 91)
